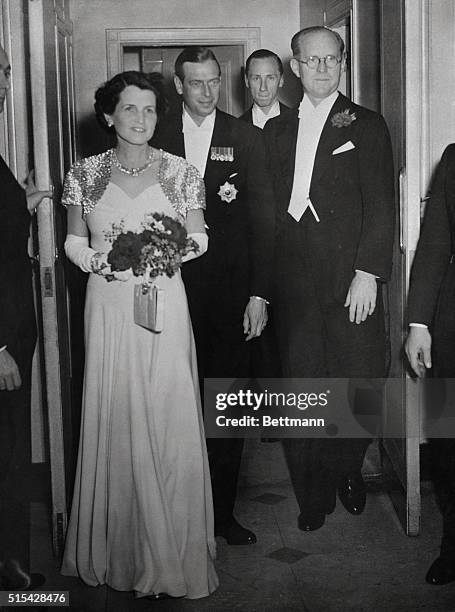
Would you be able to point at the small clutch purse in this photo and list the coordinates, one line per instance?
(149, 307)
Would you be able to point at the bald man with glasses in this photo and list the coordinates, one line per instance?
(331, 164)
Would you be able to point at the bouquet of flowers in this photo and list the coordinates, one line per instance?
(157, 249)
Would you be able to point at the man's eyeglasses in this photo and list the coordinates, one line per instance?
(313, 62)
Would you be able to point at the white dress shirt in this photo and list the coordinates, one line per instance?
(260, 118)
(311, 122)
(197, 139)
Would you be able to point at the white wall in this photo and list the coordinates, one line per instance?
(441, 54)
(278, 21)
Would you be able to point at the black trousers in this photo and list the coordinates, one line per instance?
(443, 475)
(317, 340)
(265, 361)
(15, 472)
(222, 352)
(443, 450)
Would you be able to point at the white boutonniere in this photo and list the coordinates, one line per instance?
(227, 192)
(343, 119)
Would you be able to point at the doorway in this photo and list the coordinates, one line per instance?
(233, 98)
(377, 32)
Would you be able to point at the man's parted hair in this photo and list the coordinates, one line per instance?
(296, 39)
(194, 54)
(263, 54)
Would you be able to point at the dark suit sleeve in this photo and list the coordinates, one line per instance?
(261, 221)
(274, 171)
(376, 178)
(434, 247)
(16, 300)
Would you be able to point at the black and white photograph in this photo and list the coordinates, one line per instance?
(227, 305)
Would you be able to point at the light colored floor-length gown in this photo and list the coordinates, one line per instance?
(142, 516)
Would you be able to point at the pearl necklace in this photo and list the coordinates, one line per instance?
(134, 171)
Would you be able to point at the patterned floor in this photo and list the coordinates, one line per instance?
(352, 564)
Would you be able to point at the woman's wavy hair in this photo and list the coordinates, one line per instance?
(108, 95)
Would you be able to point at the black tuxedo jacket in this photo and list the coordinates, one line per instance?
(17, 331)
(239, 257)
(17, 322)
(248, 115)
(432, 285)
(352, 192)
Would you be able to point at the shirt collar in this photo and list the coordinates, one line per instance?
(188, 123)
(306, 106)
(273, 112)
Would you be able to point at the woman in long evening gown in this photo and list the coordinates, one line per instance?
(142, 517)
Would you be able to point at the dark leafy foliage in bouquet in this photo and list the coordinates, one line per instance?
(157, 249)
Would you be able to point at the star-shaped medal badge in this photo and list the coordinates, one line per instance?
(227, 192)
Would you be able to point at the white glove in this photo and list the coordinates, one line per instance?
(202, 241)
(78, 251)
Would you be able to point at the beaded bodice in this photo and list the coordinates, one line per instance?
(88, 178)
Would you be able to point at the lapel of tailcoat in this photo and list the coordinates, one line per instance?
(331, 138)
(286, 143)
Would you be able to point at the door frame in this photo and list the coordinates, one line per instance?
(44, 44)
(411, 185)
(118, 38)
(413, 190)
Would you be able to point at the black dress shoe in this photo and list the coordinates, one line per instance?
(310, 521)
(352, 493)
(235, 534)
(441, 572)
(14, 578)
(36, 581)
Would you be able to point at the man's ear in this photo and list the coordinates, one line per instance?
(178, 84)
(344, 61)
(247, 85)
(281, 82)
(294, 64)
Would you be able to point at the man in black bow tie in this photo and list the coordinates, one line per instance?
(331, 164)
(229, 286)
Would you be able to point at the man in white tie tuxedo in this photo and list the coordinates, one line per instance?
(331, 164)
(264, 78)
(229, 288)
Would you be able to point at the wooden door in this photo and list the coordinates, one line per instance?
(377, 36)
(53, 134)
(231, 59)
(401, 452)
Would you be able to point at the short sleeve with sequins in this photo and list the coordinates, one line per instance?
(86, 181)
(193, 188)
(182, 184)
(72, 188)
